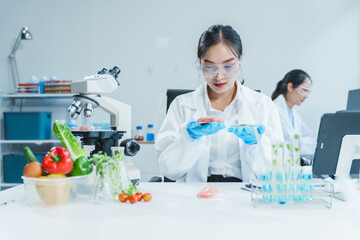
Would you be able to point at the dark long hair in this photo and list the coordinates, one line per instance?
(296, 77)
(220, 33)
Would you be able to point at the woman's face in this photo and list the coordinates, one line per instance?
(298, 95)
(220, 67)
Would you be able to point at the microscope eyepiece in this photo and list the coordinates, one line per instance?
(103, 71)
(115, 71)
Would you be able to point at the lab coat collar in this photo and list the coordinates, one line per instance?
(198, 94)
(281, 101)
(239, 95)
(206, 99)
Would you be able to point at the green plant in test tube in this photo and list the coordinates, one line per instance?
(281, 162)
(297, 151)
(274, 163)
(297, 167)
(272, 173)
(288, 155)
(281, 185)
(296, 158)
(280, 169)
(289, 172)
(274, 155)
(289, 161)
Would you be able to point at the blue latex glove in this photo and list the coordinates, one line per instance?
(246, 133)
(196, 130)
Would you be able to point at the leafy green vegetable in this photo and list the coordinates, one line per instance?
(132, 189)
(101, 161)
(115, 169)
(288, 146)
(63, 132)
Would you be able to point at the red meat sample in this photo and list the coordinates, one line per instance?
(205, 120)
(87, 128)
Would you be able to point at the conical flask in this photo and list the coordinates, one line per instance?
(103, 187)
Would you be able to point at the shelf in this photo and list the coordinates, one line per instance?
(145, 142)
(9, 184)
(30, 141)
(36, 95)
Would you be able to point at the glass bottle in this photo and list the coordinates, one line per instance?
(150, 136)
(139, 136)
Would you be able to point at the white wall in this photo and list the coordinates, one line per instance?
(75, 38)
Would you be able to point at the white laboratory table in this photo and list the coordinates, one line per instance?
(176, 213)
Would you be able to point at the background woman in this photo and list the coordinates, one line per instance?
(293, 90)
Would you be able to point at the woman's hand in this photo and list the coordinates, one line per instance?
(247, 133)
(196, 130)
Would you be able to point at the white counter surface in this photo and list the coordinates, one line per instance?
(176, 213)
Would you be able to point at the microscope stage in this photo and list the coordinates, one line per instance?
(102, 139)
(97, 133)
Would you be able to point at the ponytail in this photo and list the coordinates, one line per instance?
(280, 89)
(295, 77)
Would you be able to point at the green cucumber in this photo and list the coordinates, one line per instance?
(29, 155)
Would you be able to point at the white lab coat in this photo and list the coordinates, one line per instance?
(306, 136)
(185, 159)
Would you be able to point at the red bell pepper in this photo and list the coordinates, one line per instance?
(58, 160)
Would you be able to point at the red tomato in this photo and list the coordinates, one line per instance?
(133, 198)
(123, 197)
(139, 196)
(147, 197)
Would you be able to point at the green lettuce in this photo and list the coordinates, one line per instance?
(67, 139)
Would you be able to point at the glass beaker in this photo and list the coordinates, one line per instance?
(111, 177)
(119, 174)
(103, 186)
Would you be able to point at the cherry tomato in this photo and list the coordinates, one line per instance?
(123, 197)
(133, 198)
(147, 197)
(139, 196)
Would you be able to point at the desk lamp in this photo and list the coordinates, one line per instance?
(24, 35)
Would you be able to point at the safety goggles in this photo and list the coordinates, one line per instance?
(211, 70)
(303, 91)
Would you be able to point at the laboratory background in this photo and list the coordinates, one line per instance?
(154, 43)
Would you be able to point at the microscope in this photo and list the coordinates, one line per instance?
(88, 96)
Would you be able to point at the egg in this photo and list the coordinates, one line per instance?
(33, 169)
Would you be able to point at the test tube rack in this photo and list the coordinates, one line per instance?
(316, 192)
